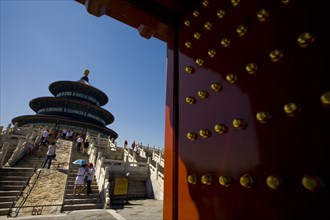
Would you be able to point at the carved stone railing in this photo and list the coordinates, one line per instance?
(17, 139)
(19, 152)
(3, 153)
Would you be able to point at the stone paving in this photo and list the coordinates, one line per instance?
(142, 209)
(47, 191)
(147, 209)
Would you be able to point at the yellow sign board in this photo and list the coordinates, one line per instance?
(121, 186)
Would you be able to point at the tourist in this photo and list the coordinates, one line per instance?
(125, 144)
(51, 133)
(45, 135)
(133, 145)
(63, 133)
(50, 154)
(79, 181)
(69, 135)
(86, 173)
(137, 150)
(85, 146)
(30, 147)
(80, 140)
(90, 177)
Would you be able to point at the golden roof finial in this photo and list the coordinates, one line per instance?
(86, 72)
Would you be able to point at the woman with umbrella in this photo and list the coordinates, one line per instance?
(79, 181)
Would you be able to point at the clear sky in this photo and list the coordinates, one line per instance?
(54, 40)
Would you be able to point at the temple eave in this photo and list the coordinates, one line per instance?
(61, 121)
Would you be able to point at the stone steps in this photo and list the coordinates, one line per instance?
(30, 160)
(136, 189)
(16, 171)
(69, 189)
(13, 178)
(7, 198)
(5, 204)
(82, 201)
(4, 211)
(82, 196)
(84, 206)
(9, 193)
(11, 187)
(13, 182)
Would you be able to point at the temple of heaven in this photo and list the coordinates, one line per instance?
(76, 105)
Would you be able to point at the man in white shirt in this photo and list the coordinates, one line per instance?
(50, 154)
(64, 133)
(80, 140)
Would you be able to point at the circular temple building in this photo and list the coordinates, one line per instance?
(76, 105)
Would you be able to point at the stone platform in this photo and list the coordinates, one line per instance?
(146, 209)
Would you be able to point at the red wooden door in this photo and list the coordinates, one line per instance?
(247, 105)
(248, 133)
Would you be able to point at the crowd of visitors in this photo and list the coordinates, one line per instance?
(47, 144)
(47, 148)
(66, 134)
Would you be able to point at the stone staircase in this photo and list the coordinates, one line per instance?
(82, 201)
(31, 160)
(15, 179)
(12, 183)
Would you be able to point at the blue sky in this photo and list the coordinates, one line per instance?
(47, 41)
